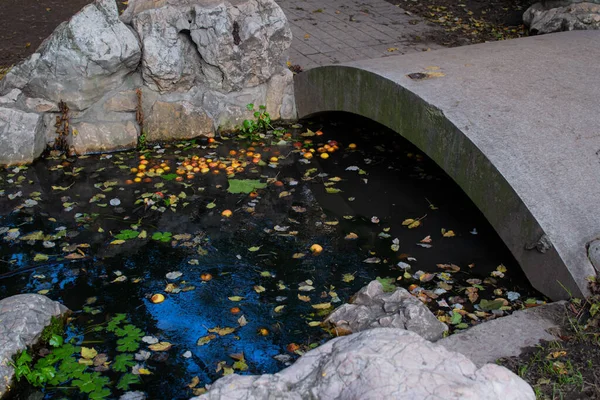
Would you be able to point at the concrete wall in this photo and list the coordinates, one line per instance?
(516, 124)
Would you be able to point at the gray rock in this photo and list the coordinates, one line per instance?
(125, 101)
(594, 254)
(182, 120)
(21, 135)
(559, 16)
(10, 97)
(171, 60)
(382, 363)
(22, 319)
(40, 105)
(226, 45)
(372, 308)
(102, 136)
(508, 336)
(137, 395)
(83, 59)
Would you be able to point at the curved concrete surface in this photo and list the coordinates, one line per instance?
(515, 123)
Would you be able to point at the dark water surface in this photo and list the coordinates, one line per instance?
(377, 186)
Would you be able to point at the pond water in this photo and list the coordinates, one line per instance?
(245, 293)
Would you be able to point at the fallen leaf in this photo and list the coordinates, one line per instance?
(160, 346)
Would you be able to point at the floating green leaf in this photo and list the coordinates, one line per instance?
(245, 185)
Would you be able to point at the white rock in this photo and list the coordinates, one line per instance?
(382, 363)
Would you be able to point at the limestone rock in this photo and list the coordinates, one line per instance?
(594, 254)
(125, 101)
(559, 16)
(372, 308)
(93, 137)
(181, 119)
(21, 135)
(226, 45)
(508, 336)
(381, 363)
(170, 61)
(83, 59)
(22, 319)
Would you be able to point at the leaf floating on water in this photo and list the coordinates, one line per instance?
(245, 185)
(222, 331)
(321, 306)
(298, 255)
(236, 298)
(173, 275)
(211, 205)
(348, 278)
(372, 260)
(351, 236)
(314, 323)
(160, 346)
(117, 242)
(205, 339)
(284, 194)
(259, 289)
(88, 353)
(446, 233)
(306, 288)
(40, 257)
(194, 382)
(304, 298)
(279, 309)
(331, 190)
(242, 321)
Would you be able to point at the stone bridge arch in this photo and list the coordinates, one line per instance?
(516, 124)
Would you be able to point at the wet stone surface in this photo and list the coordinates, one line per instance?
(244, 292)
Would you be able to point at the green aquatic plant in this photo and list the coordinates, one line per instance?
(66, 365)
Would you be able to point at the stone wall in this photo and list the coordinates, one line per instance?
(198, 63)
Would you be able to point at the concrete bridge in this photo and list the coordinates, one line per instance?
(515, 123)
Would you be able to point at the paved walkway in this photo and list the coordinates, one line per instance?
(337, 31)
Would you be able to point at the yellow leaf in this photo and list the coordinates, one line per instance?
(351, 236)
(205, 339)
(448, 234)
(144, 371)
(160, 346)
(195, 381)
(222, 331)
(88, 353)
(85, 361)
(408, 221)
(321, 306)
(304, 298)
(45, 291)
(298, 255)
(236, 298)
(415, 224)
(279, 308)
(314, 323)
(118, 241)
(259, 289)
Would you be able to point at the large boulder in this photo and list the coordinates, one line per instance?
(381, 363)
(22, 319)
(82, 60)
(371, 307)
(562, 15)
(196, 63)
(227, 45)
(21, 135)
